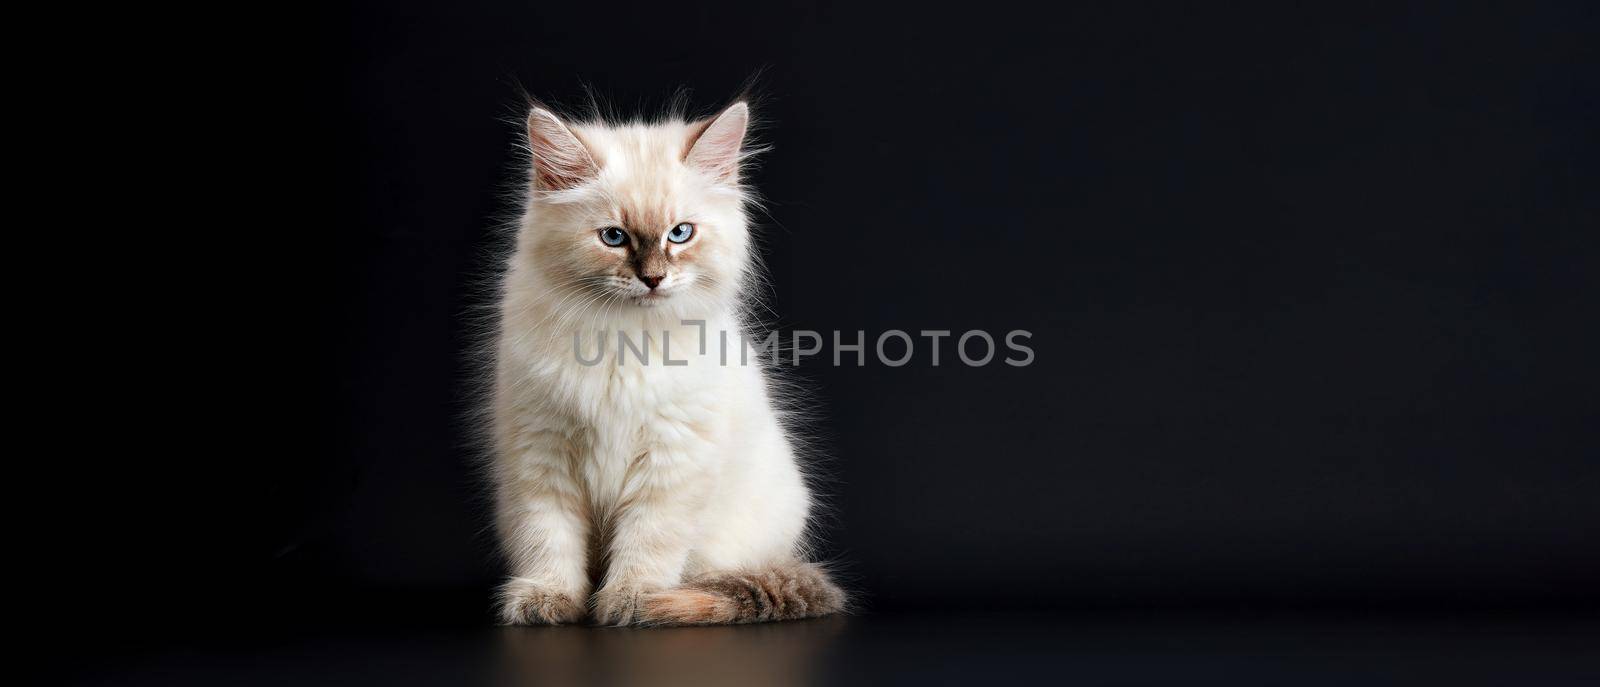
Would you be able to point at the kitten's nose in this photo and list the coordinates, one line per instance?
(649, 281)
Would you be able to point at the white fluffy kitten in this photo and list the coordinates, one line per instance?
(641, 493)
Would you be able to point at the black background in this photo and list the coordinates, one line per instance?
(1312, 293)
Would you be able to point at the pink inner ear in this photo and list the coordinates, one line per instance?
(560, 160)
(716, 151)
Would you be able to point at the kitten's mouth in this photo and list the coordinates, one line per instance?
(650, 299)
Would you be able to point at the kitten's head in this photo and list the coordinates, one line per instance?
(639, 215)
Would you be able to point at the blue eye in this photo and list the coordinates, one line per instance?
(612, 236)
(681, 233)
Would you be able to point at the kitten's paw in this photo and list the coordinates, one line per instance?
(524, 602)
(618, 605)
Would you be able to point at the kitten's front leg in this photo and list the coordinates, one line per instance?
(650, 542)
(544, 532)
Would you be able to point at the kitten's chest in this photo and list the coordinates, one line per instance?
(651, 424)
(663, 414)
(634, 410)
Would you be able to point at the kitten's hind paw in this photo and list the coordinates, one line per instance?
(523, 602)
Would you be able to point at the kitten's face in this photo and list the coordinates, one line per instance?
(640, 216)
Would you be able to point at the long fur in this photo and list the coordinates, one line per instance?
(653, 494)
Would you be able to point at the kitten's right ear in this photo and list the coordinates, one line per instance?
(560, 160)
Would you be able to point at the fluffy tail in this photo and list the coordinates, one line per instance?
(788, 592)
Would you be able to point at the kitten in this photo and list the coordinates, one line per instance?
(641, 494)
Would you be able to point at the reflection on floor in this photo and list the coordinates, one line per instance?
(1101, 648)
(768, 654)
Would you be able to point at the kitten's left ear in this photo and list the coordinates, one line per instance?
(560, 159)
(714, 146)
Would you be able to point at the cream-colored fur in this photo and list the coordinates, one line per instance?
(616, 482)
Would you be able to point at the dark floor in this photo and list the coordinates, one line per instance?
(1125, 647)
